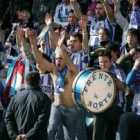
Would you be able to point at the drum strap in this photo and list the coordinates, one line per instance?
(60, 80)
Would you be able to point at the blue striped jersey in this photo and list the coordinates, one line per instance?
(46, 84)
(120, 94)
(135, 18)
(61, 13)
(124, 49)
(80, 59)
(94, 28)
(11, 37)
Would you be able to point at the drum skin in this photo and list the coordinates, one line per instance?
(94, 90)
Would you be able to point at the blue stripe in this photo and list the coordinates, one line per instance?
(79, 86)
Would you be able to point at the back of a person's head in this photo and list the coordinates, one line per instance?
(113, 47)
(33, 79)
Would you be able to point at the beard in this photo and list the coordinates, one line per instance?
(100, 17)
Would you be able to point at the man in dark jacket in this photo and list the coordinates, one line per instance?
(28, 112)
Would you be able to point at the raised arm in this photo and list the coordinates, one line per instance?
(46, 65)
(132, 74)
(66, 57)
(25, 46)
(76, 9)
(121, 21)
(108, 10)
(53, 37)
(10, 40)
(83, 24)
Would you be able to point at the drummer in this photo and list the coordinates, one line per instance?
(106, 123)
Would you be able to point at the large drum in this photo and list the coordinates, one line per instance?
(94, 90)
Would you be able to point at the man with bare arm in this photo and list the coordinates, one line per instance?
(63, 72)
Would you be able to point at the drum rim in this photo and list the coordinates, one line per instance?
(73, 86)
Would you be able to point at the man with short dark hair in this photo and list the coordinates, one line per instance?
(28, 112)
(106, 122)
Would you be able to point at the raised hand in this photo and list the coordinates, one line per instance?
(73, 2)
(83, 22)
(62, 38)
(133, 2)
(103, 1)
(137, 63)
(132, 51)
(48, 19)
(115, 2)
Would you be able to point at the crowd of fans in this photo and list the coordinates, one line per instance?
(44, 44)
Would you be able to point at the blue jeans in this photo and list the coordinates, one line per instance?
(67, 116)
(80, 128)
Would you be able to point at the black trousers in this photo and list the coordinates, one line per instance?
(129, 127)
(106, 124)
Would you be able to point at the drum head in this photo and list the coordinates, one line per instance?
(98, 92)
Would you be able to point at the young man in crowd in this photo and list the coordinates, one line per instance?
(63, 73)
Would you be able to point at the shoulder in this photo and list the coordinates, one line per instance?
(59, 4)
(120, 74)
